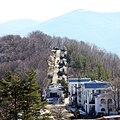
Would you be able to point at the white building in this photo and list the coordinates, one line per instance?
(104, 104)
(74, 86)
(91, 95)
(54, 90)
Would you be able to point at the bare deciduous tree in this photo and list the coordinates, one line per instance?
(57, 112)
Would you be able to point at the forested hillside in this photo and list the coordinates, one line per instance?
(87, 60)
(21, 54)
(84, 60)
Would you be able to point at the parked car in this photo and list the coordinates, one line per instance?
(60, 73)
(73, 108)
(68, 107)
(50, 100)
(55, 48)
(79, 113)
(46, 114)
(82, 112)
(56, 66)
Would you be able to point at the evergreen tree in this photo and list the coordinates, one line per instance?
(30, 97)
(10, 97)
(19, 98)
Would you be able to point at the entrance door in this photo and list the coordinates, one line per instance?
(53, 95)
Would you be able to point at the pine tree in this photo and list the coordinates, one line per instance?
(10, 97)
(31, 103)
(19, 98)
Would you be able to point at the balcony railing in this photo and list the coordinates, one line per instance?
(92, 102)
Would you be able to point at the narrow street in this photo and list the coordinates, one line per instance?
(59, 111)
(57, 59)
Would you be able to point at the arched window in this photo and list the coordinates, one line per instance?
(109, 101)
(110, 109)
(103, 101)
(103, 109)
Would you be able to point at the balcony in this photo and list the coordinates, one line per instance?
(92, 102)
(74, 94)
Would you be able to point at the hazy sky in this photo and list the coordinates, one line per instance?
(42, 10)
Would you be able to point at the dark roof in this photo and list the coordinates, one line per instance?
(79, 79)
(96, 85)
(96, 94)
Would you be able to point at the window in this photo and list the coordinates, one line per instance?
(103, 101)
(109, 101)
(110, 109)
(102, 109)
(98, 91)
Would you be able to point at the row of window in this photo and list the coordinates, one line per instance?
(103, 101)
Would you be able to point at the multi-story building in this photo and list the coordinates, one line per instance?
(54, 90)
(74, 87)
(92, 95)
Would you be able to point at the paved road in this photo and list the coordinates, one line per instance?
(55, 76)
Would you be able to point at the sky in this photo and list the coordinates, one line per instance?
(42, 10)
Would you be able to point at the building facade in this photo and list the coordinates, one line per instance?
(92, 95)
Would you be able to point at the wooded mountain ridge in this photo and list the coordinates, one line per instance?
(101, 29)
(19, 54)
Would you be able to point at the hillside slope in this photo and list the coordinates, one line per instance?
(21, 54)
